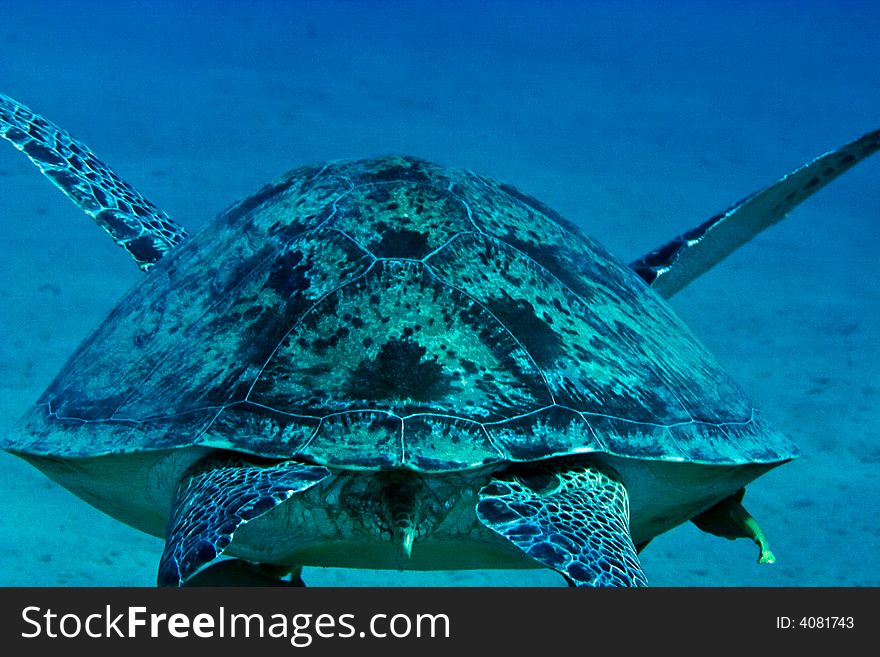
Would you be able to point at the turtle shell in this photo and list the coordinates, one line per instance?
(392, 313)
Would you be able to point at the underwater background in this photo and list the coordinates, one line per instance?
(636, 120)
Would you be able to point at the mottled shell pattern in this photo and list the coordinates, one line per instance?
(391, 313)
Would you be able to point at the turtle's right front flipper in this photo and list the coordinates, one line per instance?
(673, 265)
(132, 221)
(216, 496)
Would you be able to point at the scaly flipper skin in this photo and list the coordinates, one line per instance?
(672, 266)
(132, 221)
(214, 498)
(572, 518)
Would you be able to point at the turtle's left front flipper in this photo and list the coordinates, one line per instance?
(573, 518)
(216, 496)
(132, 221)
(673, 265)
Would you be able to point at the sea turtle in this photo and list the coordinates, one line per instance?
(386, 363)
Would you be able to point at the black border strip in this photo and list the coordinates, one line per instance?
(500, 621)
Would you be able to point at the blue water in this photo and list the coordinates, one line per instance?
(635, 120)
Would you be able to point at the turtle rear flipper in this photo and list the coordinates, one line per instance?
(132, 221)
(573, 519)
(214, 498)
